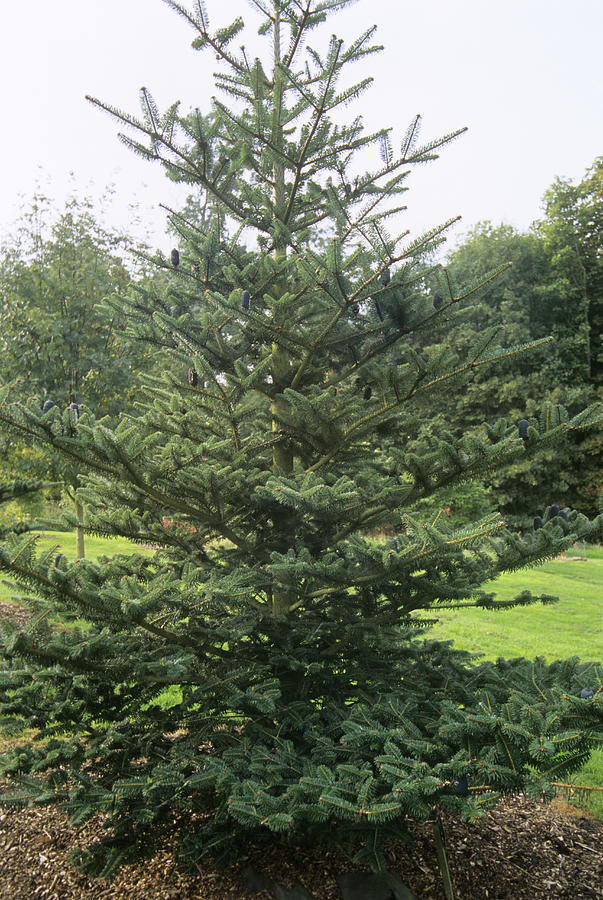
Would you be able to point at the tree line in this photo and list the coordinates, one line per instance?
(553, 287)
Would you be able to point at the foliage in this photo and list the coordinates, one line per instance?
(11, 516)
(52, 279)
(571, 229)
(522, 298)
(304, 700)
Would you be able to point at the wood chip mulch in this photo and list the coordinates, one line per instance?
(15, 612)
(525, 851)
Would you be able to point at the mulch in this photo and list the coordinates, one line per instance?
(524, 851)
(12, 611)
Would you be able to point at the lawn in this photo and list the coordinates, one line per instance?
(572, 627)
(65, 542)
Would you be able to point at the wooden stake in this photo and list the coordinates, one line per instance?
(440, 842)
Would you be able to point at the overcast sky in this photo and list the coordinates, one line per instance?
(525, 76)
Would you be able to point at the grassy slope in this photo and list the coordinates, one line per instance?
(573, 627)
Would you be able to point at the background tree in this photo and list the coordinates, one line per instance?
(53, 279)
(551, 288)
(571, 229)
(513, 390)
(9, 492)
(265, 667)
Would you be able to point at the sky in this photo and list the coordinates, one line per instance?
(523, 75)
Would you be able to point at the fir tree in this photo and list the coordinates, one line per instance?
(266, 666)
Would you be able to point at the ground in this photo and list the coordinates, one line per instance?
(525, 851)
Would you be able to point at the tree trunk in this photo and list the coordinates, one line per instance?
(282, 457)
(79, 531)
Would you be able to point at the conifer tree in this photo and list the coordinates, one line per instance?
(267, 666)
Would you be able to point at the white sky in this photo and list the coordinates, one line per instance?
(524, 75)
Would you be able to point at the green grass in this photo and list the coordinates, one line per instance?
(590, 775)
(95, 546)
(64, 541)
(572, 627)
